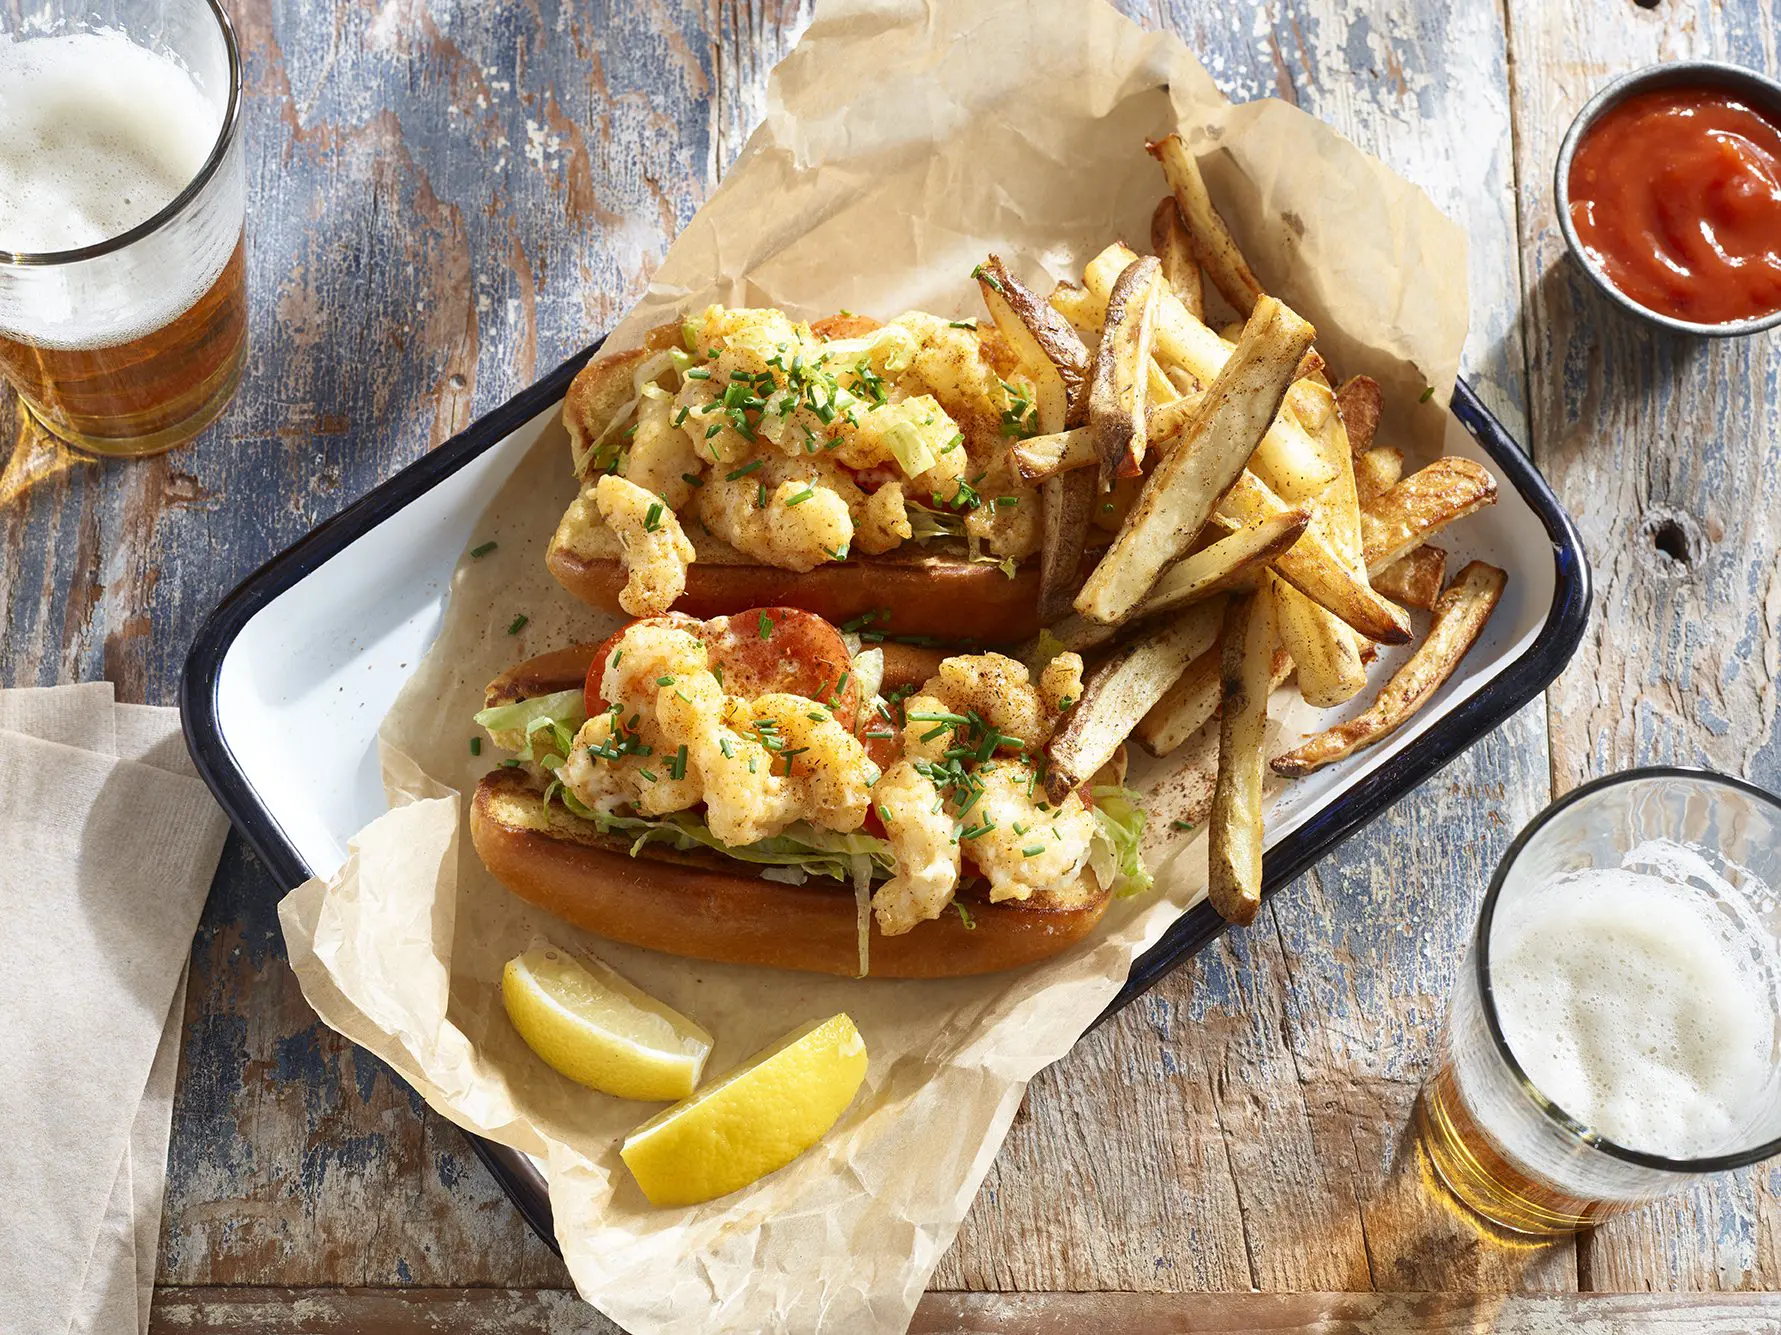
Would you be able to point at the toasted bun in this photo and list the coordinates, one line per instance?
(947, 598)
(703, 905)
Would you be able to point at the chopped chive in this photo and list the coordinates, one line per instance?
(1427, 394)
(698, 373)
(1032, 850)
(510, 764)
(1003, 502)
(518, 624)
(766, 627)
(617, 654)
(652, 518)
(723, 744)
(664, 681)
(477, 553)
(646, 774)
(713, 429)
(692, 479)
(476, 746)
(1180, 825)
(964, 916)
(800, 498)
(743, 471)
(760, 499)
(677, 766)
(718, 672)
(961, 324)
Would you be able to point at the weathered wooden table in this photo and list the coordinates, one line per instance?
(447, 199)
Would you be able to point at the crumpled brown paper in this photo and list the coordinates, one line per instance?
(902, 142)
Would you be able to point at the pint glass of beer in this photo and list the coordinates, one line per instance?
(123, 295)
(1616, 1030)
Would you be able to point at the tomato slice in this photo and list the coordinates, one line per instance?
(763, 651)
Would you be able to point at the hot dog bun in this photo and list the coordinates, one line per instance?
(705, 906)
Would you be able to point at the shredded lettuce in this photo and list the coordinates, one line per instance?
(548, 720)
(926, 523)
(916, 431)
(891, 347)
(1119, 828)
(817, 852)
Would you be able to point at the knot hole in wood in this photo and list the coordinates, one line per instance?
(1674, 541)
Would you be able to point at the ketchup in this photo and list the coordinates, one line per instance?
(1676, 195)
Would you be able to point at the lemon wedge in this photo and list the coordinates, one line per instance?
(600, 1030)
(757, 1118)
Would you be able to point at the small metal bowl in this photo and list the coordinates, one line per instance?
(1759, 90)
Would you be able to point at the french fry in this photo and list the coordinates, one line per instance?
(1039, 457)
(1056, 360)
(1377, 472)
(1360, 401)
(1042, 340)
(1120, 692)
(1119, 388)
(1193, 699)
(1328, 655)
(1081, 308)
(1182, 491)
(1172, 245)
(1212, 241)
(1312, 567)
(1460, 615)
(1234, 830)
(1180, 340)
(1420, 506)
(1184, 708)
(1415, 578)
(1234, 561)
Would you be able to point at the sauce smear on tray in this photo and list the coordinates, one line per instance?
(1676, 194)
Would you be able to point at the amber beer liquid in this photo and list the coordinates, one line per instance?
(1617, 1029)
(123, 294)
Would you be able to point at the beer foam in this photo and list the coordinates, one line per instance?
(100, 134)
(1642, 1000)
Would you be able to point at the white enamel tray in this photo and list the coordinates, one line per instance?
(289, 678)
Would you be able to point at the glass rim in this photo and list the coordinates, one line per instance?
(225, 138)
(1716, 1163)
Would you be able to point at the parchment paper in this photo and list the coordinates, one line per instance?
(901, 144)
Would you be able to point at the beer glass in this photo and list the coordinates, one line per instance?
(1703, 1088)
(123, 293)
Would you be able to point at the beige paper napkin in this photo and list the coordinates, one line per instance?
(903, 141)
(106, 854)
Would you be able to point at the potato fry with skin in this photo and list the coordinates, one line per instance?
(1212, 241)
(1184, 708)
(1057, 362)
(1192, 700)
(1311, 566)
(1235, 561)
(1377, 472)
(1460, 615)
(1039, 457)
(1360, 401)
(1180, 340)
(1120, 692)
(1423, 504)
(1234, 831)
(1180, 495)
(1415, 578)
(1172, 245)
(1331, 669)
(1083, 311)
(1119, 390)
